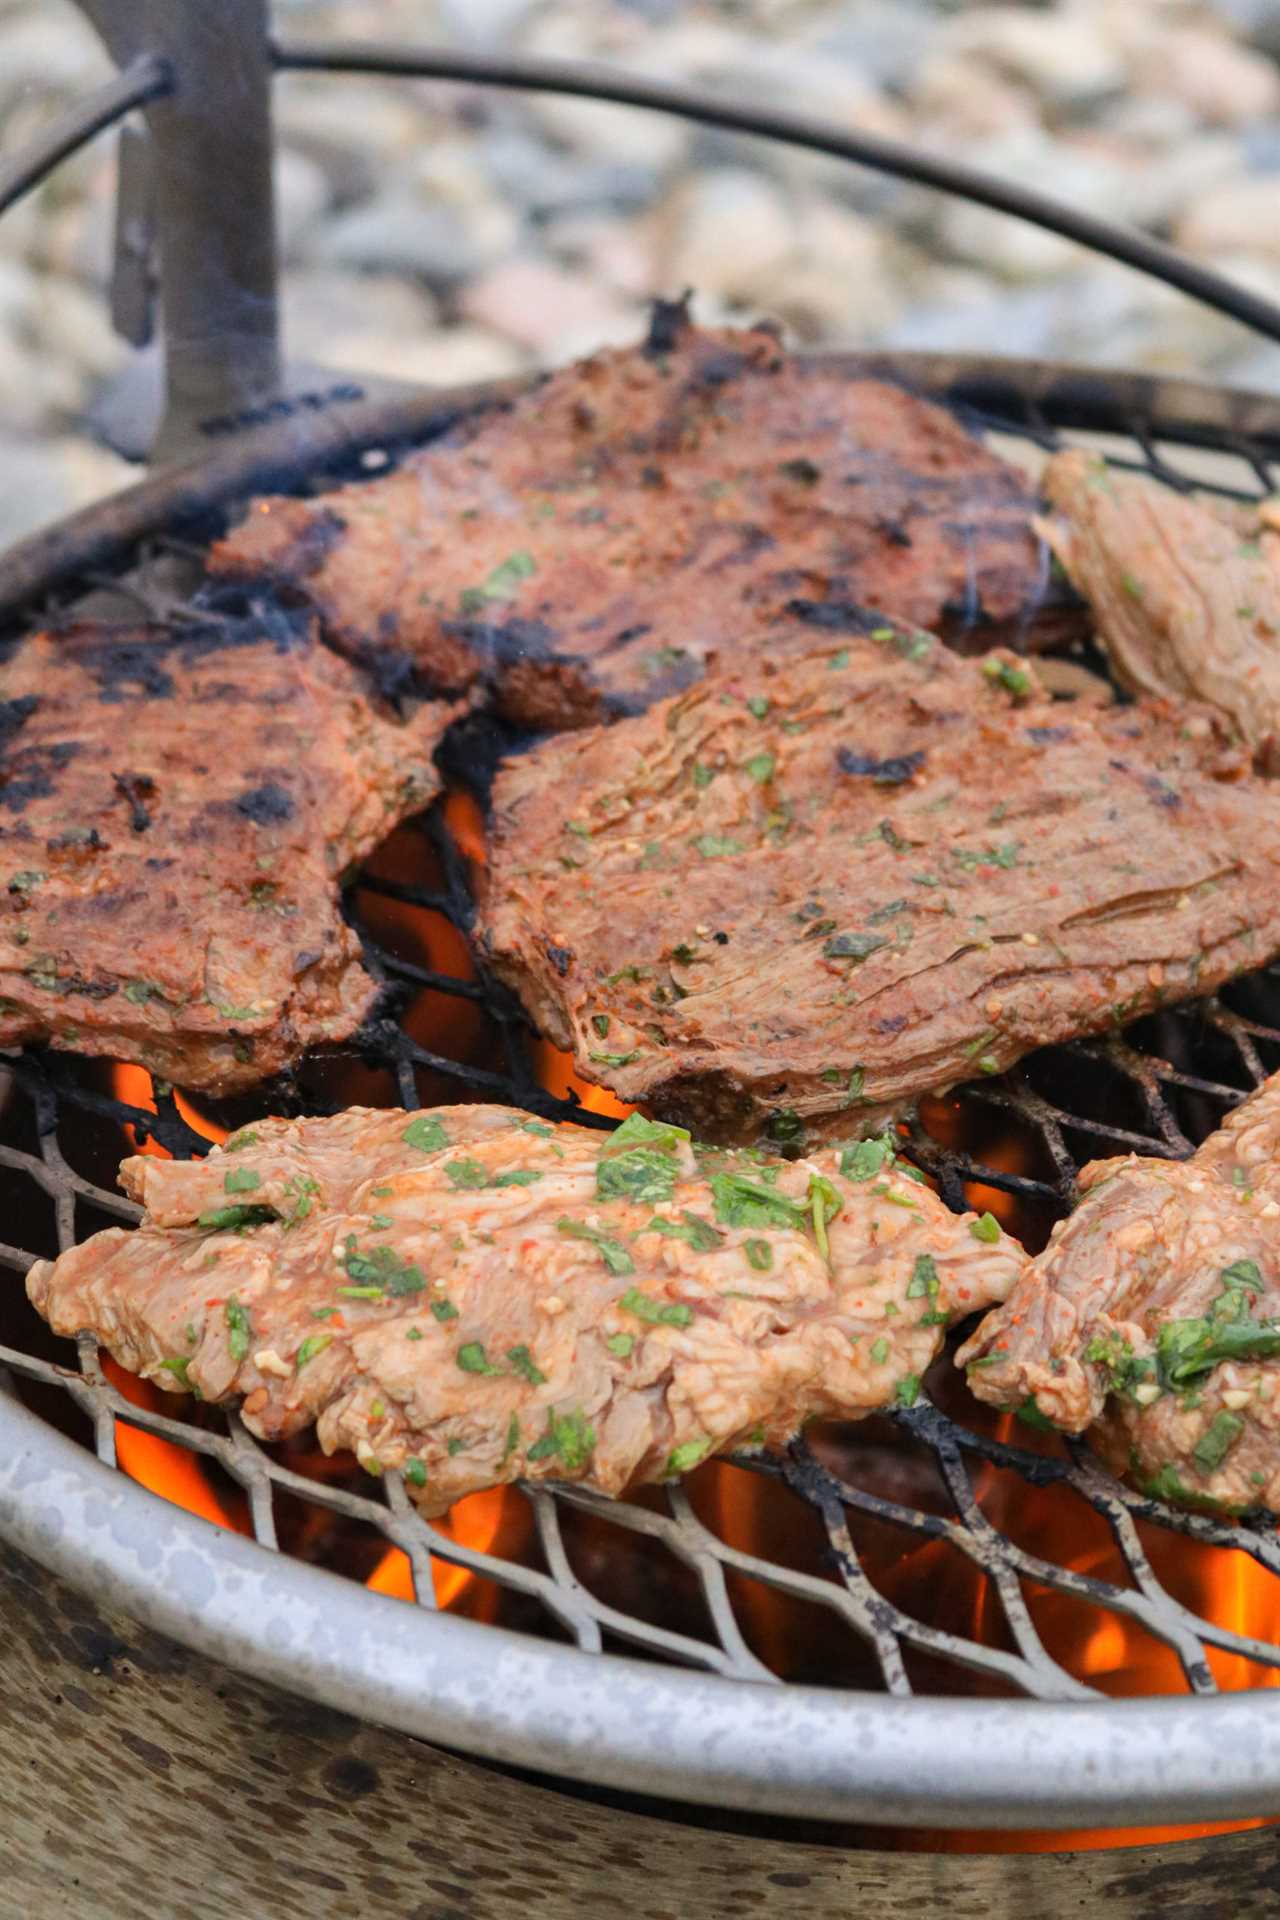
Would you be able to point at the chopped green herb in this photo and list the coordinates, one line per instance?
(1031, 1416)
(639, 1160)
(426, 1133)
(363, 1293)
(540, 1127)
(758, 706)
(853, 946)
(612, 1252)
(686, 1456)
(242, 1180)
(235, 1219)
(1167, 1485)
(658, 1313)
(567, 1437)
(415, 1473)
(466, 1173)
(314, 1343)
(691, 1228)
(702, 776)
(178, 1368)
(1015, 680)
(924, 1278)
(512, 1442)
(414, 1333)
(516, 1177)
(907, 1391)
(1188, 1349)
(880, 1351)
(600, 1022)
(824, 1204)
(443, 1311)
(1217, 1441)
(1134, 588)
(615, 1059)
(838, 660)
(746, 1203)
(502, 584)
(381, 1267)
(524, 1364)
(472, 1358)
(759, 1255)
(239, 1328)
(986, 1228)
(454, 1446)
(1127, 1372)
(245, 1138)
(761, 767)
(620, 1344)
(868, 1158)
(713, 846)
(380, 1222)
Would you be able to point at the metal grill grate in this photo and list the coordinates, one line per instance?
(1157, 1088)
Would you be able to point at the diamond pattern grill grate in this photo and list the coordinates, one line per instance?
(834, 1499)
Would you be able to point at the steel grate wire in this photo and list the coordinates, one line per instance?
(1180, 1072)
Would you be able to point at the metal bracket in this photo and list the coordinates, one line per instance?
(205, 180)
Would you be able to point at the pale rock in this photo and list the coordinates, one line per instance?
(321, 306)
(458, 356)
(838, 284)
(402, 231)
(960, 95)
(1018, 249)
(727, 233)
(302, 195)
(57, 476)
(49, 53)
(535, 304)
(1237, 216)
(68, 321)
(1066, 56)
(371, 119)
(1223, 84)
(619, 254)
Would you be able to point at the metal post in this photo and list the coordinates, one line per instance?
(211, 149)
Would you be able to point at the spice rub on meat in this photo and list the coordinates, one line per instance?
(1153, 1317)
(473, 1296)
(813, 887)
(589, 545)
(176, 808)
(1185, 591)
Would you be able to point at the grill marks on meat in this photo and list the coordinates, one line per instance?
(1186, 594)
(822, 884)
(176, 806)
(1153, 1317)
(473, 1297)
(590, 545)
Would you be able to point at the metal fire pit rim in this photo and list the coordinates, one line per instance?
(487, 1691)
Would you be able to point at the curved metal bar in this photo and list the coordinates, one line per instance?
(144, 79)
(1126, 244)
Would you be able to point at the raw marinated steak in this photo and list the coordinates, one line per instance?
(473, 1296)
(1153, 1317)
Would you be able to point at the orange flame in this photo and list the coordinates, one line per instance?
(173, 1472)
(555, 1070)
(474, 1522)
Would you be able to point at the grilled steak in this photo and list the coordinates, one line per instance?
(590, 545)
(1186, 594)
(176, 806)
(1153, 1316)
(473, 1296)
(816, 885)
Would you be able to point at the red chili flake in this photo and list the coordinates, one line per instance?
(217, 1302)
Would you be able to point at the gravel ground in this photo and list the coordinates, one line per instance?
(444, 235)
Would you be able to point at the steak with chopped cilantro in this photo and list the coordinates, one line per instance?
(472, 1296)
(176, 805)
(819, 884)
(1185, 591)
(590, 544)
(1153, 1319)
